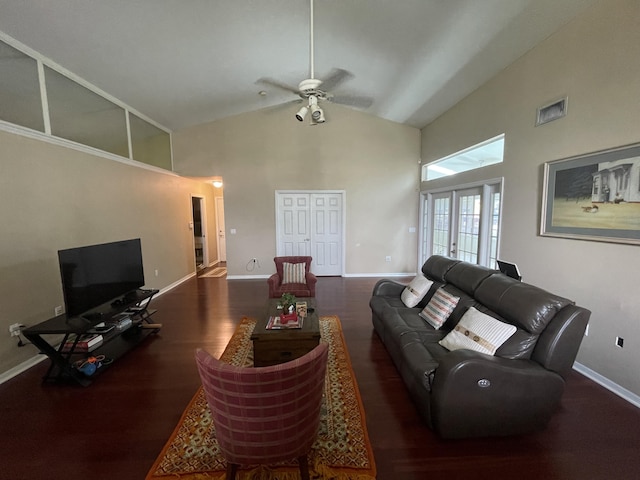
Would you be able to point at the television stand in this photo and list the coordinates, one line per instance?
(115, 342)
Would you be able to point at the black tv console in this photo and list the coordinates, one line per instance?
(115, 342)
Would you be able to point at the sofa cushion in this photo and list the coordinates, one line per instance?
(415, 291)
(520, 304)
(379, 303)
(478, 331)
(439, 308)
(293, 273)
(437, 266)
(404, 319)
(467, 277)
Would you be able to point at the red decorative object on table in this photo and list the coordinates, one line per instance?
(289, 317)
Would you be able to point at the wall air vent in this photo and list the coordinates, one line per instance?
(551, 112)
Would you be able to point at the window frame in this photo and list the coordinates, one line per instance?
(489, 241)
(49, 137)
(462, 160)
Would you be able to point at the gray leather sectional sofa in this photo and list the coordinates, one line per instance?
(466, 393)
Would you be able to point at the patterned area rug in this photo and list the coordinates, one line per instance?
(341, 452)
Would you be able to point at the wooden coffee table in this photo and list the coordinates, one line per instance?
(271, 347)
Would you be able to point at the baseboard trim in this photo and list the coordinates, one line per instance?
(27, 364)
(613, 387)
(246, 277)
(346, 275)
(22, 367)
(176, 283)
(380, 275)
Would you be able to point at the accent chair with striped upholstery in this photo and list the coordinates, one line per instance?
(265, 415)
(293, 276)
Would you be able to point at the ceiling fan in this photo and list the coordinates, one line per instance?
(314, 91)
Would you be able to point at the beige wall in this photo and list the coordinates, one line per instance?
(53, 197)
(374, 161)
(593, 60)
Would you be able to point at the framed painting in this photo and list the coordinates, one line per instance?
(595, 196)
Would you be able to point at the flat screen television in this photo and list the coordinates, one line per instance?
(96, 274)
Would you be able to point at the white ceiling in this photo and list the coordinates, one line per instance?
(187, 62)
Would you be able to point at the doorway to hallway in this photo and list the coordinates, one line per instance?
(199, 228)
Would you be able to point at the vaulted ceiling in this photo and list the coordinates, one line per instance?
(187, 62)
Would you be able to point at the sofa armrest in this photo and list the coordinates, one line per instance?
(388, 288)
(476, 395)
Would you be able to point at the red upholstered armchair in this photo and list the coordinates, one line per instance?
(276, 281)
(265, 415)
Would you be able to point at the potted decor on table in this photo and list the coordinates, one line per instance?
(288, 302)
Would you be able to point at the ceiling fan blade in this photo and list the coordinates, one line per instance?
(284, 105)
(275, 83)
(357, 101)
(335, 78)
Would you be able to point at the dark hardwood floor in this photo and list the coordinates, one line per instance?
(114, 429)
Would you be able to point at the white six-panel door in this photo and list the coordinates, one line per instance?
(292, 224)
(311, 223)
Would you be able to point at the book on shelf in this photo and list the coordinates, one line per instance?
(281, 322)
(85, 343)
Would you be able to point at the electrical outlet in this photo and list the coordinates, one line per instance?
(14, 329)
(387, 258)
(619, 342)
(58, 310)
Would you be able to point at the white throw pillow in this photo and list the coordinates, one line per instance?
(293, 273)
(478, 331)
(415, 291)
(439, 308)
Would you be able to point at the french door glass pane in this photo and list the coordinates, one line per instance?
(495, 225)
(468, 228)
(440, 238)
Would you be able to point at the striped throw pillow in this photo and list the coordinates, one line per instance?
(293, 273)
(439, 308)
(478, 331)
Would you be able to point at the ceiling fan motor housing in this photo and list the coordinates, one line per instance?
(311, 86)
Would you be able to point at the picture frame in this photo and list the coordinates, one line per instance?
(595, 196)
(301, 309)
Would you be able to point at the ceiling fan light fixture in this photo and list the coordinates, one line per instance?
(313, 90)
(317, 114)
(302, 113)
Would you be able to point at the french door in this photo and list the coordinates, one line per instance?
(462, 223)
(311, 223)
